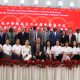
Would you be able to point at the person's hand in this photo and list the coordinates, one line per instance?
(18, 55)
(40, 53)
(52, 52)
(0, 49)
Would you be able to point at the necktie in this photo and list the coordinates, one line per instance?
(35, 35)
(11, 38)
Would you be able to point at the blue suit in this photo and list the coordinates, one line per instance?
(53, 38)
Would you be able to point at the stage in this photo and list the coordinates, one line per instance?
(39, 70)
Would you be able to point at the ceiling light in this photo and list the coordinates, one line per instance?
(48, 3)
(71, 4)
(5, 1)
(35, 2)
(60, 3)
(21, 1)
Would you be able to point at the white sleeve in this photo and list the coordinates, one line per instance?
(52, 48)
(13, 48)
(78, 50)
(30, 50)
(22, 51)
(4, 49)
(71, 49)
(62, 49)
(10, 49)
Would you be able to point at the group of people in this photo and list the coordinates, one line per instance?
(40, 44)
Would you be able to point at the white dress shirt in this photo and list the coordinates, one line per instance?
(48, 50)
(77, 37)
(7, 49)
(75, 50)
(70, 35)
(55, 33)
(57, 50)
(66, 50)
(26, 51)
(17, 48)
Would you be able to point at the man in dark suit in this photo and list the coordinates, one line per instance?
(23, 36)
(2, 36)
(37, 50)
(54, 35)
(70, 37)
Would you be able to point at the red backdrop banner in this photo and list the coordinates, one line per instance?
(18, 17)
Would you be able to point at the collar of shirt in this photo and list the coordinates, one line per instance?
(22, 32)
(70, 34)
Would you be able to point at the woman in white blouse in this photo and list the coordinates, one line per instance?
(47, 49)
(57, 51)
(67, 51)
(7, 49)
(16, 50)
(26, 51)
(75, 51)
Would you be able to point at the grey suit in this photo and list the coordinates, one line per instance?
(44, 37)
(32, 36)
(11, 37)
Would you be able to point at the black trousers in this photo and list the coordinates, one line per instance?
(16, 57)
(76, 57)
(59, 57)
(1, 55)
(41, 57)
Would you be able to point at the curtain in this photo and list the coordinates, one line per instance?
(37, 73)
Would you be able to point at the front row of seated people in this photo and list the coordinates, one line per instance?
(37, 51)
(16, 52)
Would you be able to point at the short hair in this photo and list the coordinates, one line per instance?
(54, 29)
(34, 27)
(10, 29)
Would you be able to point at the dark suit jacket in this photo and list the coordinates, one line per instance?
(2, 38)
(23, 37)
(33, 48)
(63, 40)
(73, 38)
(11, 37)
(42, 56)
(53, 38)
